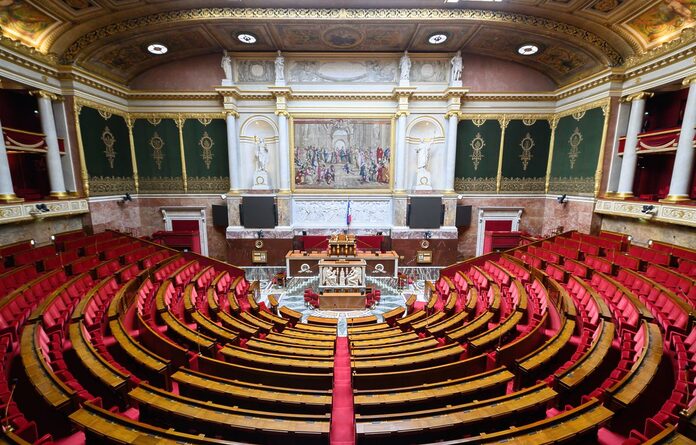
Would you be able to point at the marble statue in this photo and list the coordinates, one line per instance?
(261, 155)
(456, 74)
(280, 70)
(226, 65)
(404, 69)
(354, 277)
(423, 153)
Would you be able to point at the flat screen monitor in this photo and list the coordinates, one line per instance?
(258, 212)
(425, 212)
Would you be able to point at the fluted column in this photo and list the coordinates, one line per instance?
(630, 157)
(400, 155)
(451, 158)
(232, 150)
(284, 151)
(48, 124)
(682, 173)
(7, 193)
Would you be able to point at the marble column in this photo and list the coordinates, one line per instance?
(630, 157)
(48, 124)
(682, 174)
(400, 158)
(7, 193)
(284, 151)
(232, 150)
(451, 158)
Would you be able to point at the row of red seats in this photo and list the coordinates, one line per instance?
(64, 299)
(502, 277)
(624, 311)
(673, 281)
(164, 271)
(649, 255)
(14, 278)
(522, 273)
(80, 242)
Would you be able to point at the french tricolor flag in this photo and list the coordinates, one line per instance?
(349, 217)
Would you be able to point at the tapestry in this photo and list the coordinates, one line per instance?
(342, 154)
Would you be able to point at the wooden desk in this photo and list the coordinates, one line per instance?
(379, 264)
(341, 301)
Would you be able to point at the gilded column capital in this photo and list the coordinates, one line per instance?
(282, 113)
(451, 113)
(44, 94)
(400, 113)
(643, 95)
(690, 80)
(231, 113)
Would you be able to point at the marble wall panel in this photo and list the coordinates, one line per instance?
(643, 231)
(38, 230)
(239, 251)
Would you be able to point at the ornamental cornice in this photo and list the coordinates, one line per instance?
(604, 79)
(208, 14)
(80, 102)
(602, 103)
(173, 96)
(661, 62)
(492, 97)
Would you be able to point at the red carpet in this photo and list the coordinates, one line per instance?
(342, 414)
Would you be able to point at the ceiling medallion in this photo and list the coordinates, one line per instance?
(527, 144)
(206, 144)
(477, 145)
(246, 38)
(157, 144)
(157, 49)
(528, 49)
(109, 140)
(574, 141)
(342, 37)
(437, 38)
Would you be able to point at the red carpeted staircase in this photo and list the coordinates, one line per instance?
(342, 414)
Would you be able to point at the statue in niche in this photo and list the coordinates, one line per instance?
(280, 70)
(354, 277)
(423, 153)
(261, 154)
(226, 65)
(405, 69)
(456, 74)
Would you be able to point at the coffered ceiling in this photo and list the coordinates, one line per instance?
(575, 37)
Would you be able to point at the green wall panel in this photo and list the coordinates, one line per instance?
(158, 155)
(106, 148)
(205, 148)
(577, 144)
(525, 156)
(478, 148)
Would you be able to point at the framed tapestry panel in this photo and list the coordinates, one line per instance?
(342, 154)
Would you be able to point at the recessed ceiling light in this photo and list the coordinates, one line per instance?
(157, 48)
(437, 39)
(528, 49)
(246, 38)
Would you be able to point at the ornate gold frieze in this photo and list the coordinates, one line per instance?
(580, 186)
(474, 184)
(161, 184)
(523, 184)
(665, 213)
(209, 184)
(110, 185)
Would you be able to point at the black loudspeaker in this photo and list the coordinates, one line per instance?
(463, 218)
(220, 216)
(442, 215)
(241, 215)
(408, 215)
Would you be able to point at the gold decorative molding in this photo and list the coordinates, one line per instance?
(134, 161)
(483, 185)
(524, 185)
(689, 80)
(180, 126)
(643, 95)
(16, 212)
(575, 185)
(44, 94)
(110, 185)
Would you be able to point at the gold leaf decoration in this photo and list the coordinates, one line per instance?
(106, 115)
(574, 141)
(206, 143)
(157, 145)
(477, 144)
(109, 140)
(526, 144)
(154, 120)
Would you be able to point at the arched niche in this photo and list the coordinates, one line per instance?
(254, 129)
(428, 130)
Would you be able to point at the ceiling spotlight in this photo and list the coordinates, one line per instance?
(157, 48)
(437, 39)
(528, 49)
(249, 39)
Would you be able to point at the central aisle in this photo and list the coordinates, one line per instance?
(342, 414)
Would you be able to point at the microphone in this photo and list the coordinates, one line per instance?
(8, 427)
